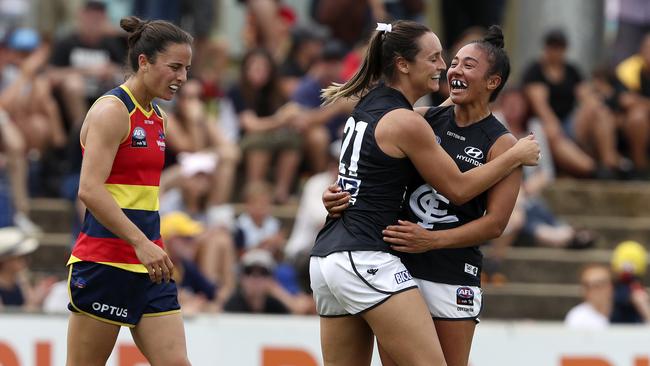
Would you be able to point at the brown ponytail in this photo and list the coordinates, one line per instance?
(379, 60)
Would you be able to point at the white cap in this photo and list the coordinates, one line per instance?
(199, 162)
(258, 257)
(15, 243)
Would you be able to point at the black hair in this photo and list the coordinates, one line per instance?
(150, 38)
(379, 60)
(492, 44)
(556, 38)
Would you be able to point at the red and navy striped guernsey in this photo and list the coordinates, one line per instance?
(134, 184)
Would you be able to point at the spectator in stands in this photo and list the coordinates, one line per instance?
(186, 190)
(597, 290)
(258, 103)
(634, 76)
(259, 292)
(30, 120)
(191, 129)
(320, 125)
(256, 280)
(268, 25)
(86, 62)
(573, 118)
(459, 15)
(631, 299)
(256, 227)
(632, 24)
(181, 234)
(540, 225)
(532, 222)
(15, 288)
(306, 47)
(311, 214)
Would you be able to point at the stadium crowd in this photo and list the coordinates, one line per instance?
(247, 137)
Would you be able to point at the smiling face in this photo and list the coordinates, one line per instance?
(425, 70)
(467, 76)
(168, 72)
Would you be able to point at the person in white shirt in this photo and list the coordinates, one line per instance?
(594, 311)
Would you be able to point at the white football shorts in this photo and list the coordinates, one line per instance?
(348, 283)
(451, 302)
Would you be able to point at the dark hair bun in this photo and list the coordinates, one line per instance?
(494, 36)
(131, 23)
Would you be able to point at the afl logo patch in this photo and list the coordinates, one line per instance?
(465, 296)
(139, 137)
(474, 152)
(438, 139)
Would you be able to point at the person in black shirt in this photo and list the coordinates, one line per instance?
(573, 117)
(359, 286)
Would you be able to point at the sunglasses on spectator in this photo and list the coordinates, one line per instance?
(256, 271)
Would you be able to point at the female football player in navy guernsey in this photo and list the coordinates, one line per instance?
(449, 277)
(359, 286)
(119, 271)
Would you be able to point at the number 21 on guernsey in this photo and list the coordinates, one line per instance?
(347, 172)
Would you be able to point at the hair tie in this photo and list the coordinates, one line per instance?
(384, 27)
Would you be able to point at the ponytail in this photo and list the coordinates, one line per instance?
(394, 40)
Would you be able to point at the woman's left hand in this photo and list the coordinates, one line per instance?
(408, 237)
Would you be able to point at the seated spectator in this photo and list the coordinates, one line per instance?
(256, 227)
(86, 62)
(180, 234)
(256, 280)
(634, 75)
(580, 128)
(15, 288)
(268, 25)
(258, 104)
(631, 299)
(311, 214)
(258, 292)
(306, 45)
(190, 129)
(320, 125)
(186, 189)
(532, 222)
(594, 311)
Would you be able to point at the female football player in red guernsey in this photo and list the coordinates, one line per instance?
(119, 273)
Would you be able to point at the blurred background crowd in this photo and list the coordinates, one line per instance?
(250, 149)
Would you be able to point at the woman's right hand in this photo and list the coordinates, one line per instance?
(156, 260)
(335, 200)
(527, 150)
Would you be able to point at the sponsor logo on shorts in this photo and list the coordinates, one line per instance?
(403, 276)
(468, 310)
(112, 310)
(139, 137)
(372, 271)
(465, 296)
(473, 270)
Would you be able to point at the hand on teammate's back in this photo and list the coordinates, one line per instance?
(335, 200)
(527, 149)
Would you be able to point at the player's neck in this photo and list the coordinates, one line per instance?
(409, 93)
(468, 114)
(139, 91)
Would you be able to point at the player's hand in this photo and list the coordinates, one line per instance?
(527, 150)
(335, 200)
(408, 237)
(156, 260)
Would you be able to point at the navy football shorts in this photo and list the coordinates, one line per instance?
(117, 296)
